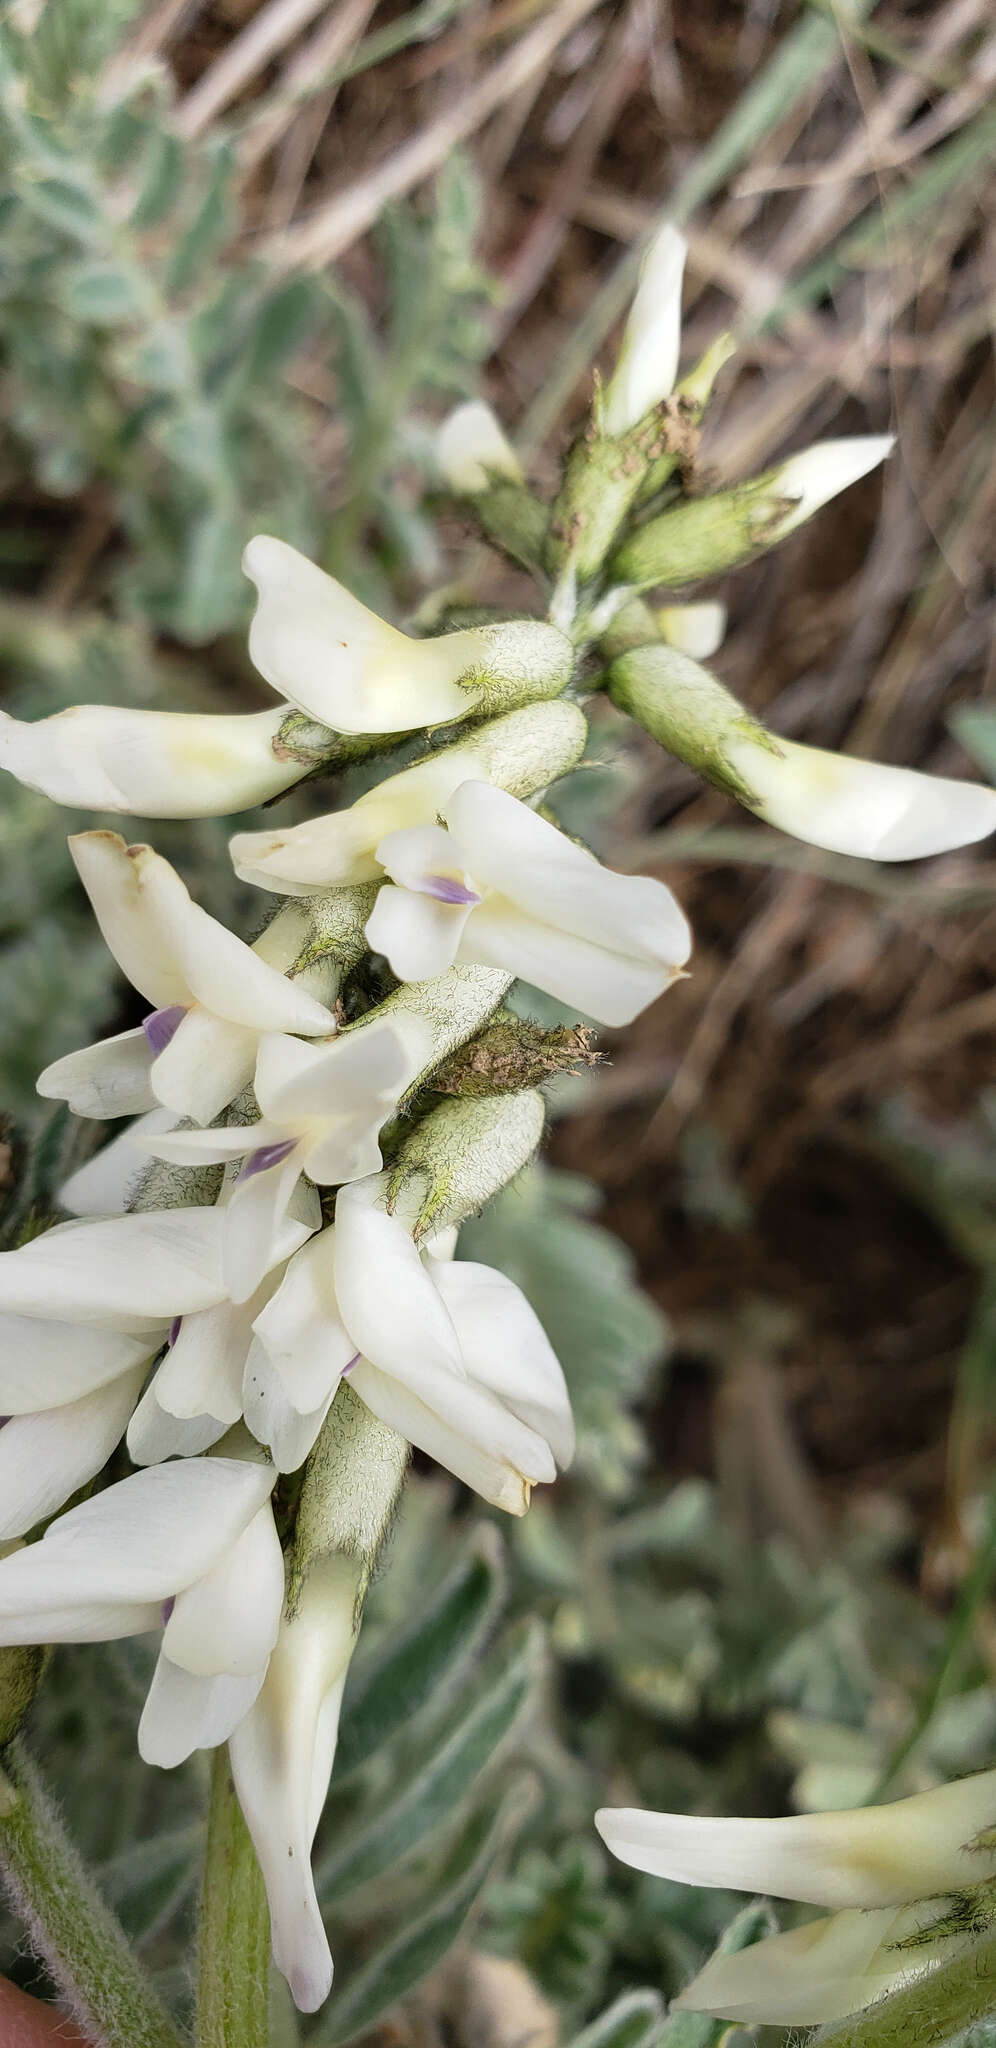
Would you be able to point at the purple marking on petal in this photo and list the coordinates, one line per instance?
(162, 1025)
(4, 1419)
(167, 1608)
(266, 1156)
(446, 890)
(353, 1361)
(174, 1331)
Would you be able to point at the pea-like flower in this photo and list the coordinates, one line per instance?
(451, 1355)
(500, 887)
(647, 364)
(899, 1880)
(213, 995)
(322, 1108)
(282, 1755)
(187, 1547)
(84, 1309)
(340, 663)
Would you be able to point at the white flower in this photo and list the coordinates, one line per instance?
(213, 995)
(282, 1755)
(887, 1871)
(450, 1355)
(694, 629)
(648, 359)
(83, 1311)
(472, 449)
(859, 807)
(520, 752)
(155, 764)
(821, 472)
(340, 663)
(322, 1108)
(190, 1548)
(503, 888)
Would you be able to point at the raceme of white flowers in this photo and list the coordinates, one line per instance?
(270, 1243)
(900, 1881)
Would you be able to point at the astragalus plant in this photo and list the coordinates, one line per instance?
(256, 1284)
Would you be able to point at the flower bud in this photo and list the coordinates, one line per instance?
(694, 629)
(461, 1155)
(706, 535)
(831, 800)
(337, 661)
(647, 364)
(521, 753)
(472, 450)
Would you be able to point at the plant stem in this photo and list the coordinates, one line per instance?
(934, 2009)
(70, 1929)
(234, 1940)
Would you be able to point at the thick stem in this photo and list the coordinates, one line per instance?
(928, 2012)
(85, 1951)
(233, 1948)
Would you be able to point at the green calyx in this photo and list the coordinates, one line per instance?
(688, 711)
(461, 1154)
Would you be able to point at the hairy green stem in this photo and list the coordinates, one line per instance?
(71, 1930)
(934, 2009)
(233, 1945)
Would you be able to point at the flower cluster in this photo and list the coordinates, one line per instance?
(269, 1245)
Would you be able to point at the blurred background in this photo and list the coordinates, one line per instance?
(249, 255)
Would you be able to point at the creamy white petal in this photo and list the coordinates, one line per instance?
(224, 974)
(301, 1329)
(417, 935)
(112, 875)
(103, 1185)
(227, 1621)
(506, 1349)
(411, 855)
(472, 449)
(221, 1143)
(111, 1078)
(119, 1270)
(155, 764)
(326, 653)
(201, 1374)
(587, 977)
(868, 1856)
(144, 1539)
(288, 1433)
(44, 1364)
(154, 1434)
(648, 359)
(817, 1973)
(73, 1620)
(45, 1457)
(206, 1064)
(372, 1061)
(387, 1301)
(479, 1466)
(860, 807)
(183, 1713)
(694, 629)
(526, 859)
(818, 473)
(256, 1225)
(281, 1757)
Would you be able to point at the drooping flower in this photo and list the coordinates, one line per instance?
(863, 808)
(83, 1311)
(154, 764)
(282, 1755)
(451, 1355)
(647, 364)
(188, 1547)
(213, 995)
(340, 663)
(322, 1108)
(521, 752)
(472, 449)
(890, 1873)
(500, 887)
